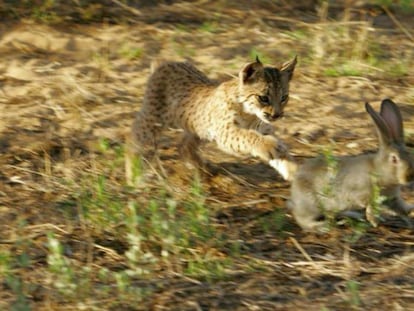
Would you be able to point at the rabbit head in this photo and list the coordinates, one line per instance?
(394, 163)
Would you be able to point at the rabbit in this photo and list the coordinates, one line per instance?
(322, 185)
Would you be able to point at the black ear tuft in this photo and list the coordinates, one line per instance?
(258, 60)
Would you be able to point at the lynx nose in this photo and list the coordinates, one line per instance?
(277, 115)
(274, 116)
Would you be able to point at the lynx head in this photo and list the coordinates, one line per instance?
(264, 91)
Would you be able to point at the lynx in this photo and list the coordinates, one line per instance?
(230, 113)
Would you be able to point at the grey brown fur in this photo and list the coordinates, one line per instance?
(321, 186)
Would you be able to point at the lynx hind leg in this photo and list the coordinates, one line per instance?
(140, 146)
(189, 151)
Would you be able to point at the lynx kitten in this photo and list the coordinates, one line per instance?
(234, 114)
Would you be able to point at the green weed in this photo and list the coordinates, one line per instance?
(343, 70)
(297, 34)
(262, 56)
(358, 228)
(44, 12)
(182, 28)
(19, 288)
(99, 206)
(354, 298)
(184, 50)
(131, 53)
(90, 12)
(275, 222)
(139, 260)
(63, 275)
(208, 268)
(209, 26)
(328, 190)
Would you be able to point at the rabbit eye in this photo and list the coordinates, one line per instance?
(264, 100)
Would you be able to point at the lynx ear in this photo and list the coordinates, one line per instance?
(249, 71)
(288, 67)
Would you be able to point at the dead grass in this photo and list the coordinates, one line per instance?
(75, 236)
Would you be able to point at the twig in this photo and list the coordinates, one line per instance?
(397, 23)
(128, 8)
(303, 252)
(108, 251)
(35, 235)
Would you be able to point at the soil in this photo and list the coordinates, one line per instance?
(64, 87)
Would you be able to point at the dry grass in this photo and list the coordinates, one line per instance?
(75, 236)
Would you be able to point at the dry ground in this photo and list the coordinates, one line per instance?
(68, 94)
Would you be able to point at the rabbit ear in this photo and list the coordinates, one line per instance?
(391, 114)
(382, 127)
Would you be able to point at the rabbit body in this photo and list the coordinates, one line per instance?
(334, 185)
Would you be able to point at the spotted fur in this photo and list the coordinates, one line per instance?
(178, 95)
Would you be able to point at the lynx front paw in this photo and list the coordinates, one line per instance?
(270, 148)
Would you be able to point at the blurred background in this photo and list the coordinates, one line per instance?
(74, 236)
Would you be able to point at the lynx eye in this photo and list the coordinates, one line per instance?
(264, 100)
(285, 97)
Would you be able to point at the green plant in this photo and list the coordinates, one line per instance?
(328, 190)
(90, 12)
(102, 61)
(131, 53)
(139, 260)
(354, 298)
(358, 228)
(44, 12)
(99, 207)
(376, 198)
(262, 57)
(209, 26)
(63, 278)
(207, 267)
(297, 34)
(17, 285)
(14, 263)
(276, 222)
(97, 198)
(183, 49)
(182, 28)
(14, 281)
(347, 68)
(5, 261)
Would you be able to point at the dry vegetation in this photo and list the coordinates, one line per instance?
(75, 237)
